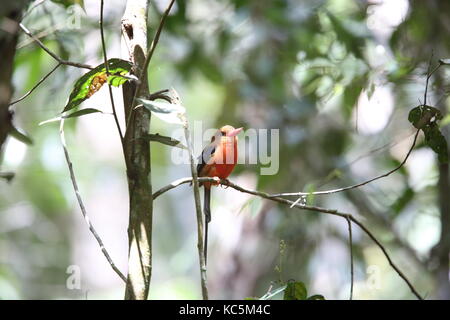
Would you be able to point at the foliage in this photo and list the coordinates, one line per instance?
(92, 81)
(425, 118)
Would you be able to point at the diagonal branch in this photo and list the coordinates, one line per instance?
(51, 53)
(36, 85)
(300, 207)
(83, 208)
(111, 97)
(302, 194)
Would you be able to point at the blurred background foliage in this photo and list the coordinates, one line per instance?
(336, 77)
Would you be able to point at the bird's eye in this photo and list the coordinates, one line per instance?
(223, 133)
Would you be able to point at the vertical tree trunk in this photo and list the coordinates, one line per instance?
(439, 256)
(10, 16)
(442, 249)
(137, 154)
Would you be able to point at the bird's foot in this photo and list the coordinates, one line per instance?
(216, 180)
(225, 185)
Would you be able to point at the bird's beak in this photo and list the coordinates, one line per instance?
(234, 132)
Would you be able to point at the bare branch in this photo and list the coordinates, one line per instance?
(198, 209)
(156, 38)
(107, 73)
(300, 207)
(82, 207)
(34, 6)
(51, 53)
(301, 194)
(36, 85)
(350, 241)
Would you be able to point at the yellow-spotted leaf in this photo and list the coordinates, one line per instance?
(92, 81)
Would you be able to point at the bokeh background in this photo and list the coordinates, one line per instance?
(336, 77)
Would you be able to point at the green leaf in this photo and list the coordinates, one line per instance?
(403, 200)
(82, 112)
(168, 112)
(425, 118)
(118, 80)
(75, 114)
(92, 81)
(316, 297)
(436, 141)
(166, 140)
(422, 116)
(295, 290)
(21, 136)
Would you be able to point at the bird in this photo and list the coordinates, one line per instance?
(218, 159)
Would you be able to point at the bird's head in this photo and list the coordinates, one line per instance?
(230, 131)
(226, 132)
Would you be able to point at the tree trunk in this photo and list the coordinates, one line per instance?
(442, 249)
(10, 16)
(137, 156)
(440, 252)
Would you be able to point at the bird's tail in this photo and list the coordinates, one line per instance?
(207, 213)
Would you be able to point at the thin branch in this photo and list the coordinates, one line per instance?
(301, 194)
(111, 97)
(36, 85)
(399, 272)
(377, 149)
(298, 206)
(52, 54)
(350, 241)
(34, 6)
(149, 56)
(156, 38)
(82, 207)
(428, 79)
(429, 74)
(198, 210)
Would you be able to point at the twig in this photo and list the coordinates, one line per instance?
(156, 38)
(36, 85)
(429, 74)
(52, 54)
(149, 57)
(428, 79)
(331, 176)
(301, 194)
(107, 74)
(34, 6)
(350, 240)
(298, 206)
(198, 210)
(82, 207)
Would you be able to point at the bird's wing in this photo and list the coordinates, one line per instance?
(205, 157)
